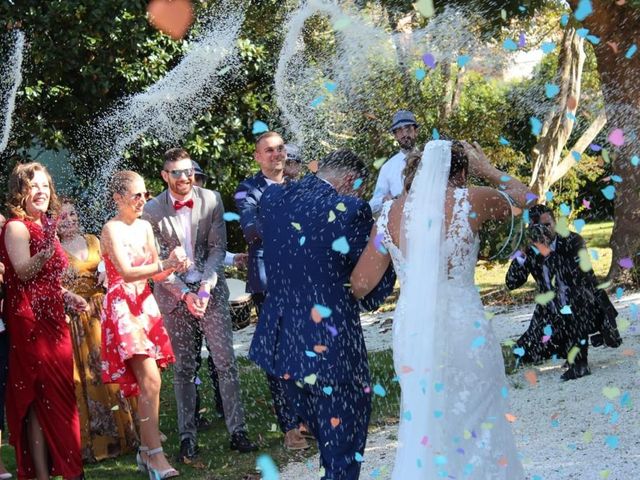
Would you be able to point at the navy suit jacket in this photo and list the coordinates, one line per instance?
(247, 198)
(304, 225)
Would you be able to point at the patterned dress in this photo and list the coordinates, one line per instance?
(131, 325)
(106, 424)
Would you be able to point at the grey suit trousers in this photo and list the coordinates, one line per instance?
(216, 327)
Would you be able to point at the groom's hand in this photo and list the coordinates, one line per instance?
(193, 305)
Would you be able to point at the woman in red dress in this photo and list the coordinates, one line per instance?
(135, 344)
(41, 404)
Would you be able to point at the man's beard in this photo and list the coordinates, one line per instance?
(407, 143)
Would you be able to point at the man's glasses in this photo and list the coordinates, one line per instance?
(176, 174)
(139, 196)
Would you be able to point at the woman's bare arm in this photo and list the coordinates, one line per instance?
(370, 268)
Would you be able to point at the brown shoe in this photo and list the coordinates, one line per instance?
(294, 441)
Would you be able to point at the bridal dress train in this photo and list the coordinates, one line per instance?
(454, 419)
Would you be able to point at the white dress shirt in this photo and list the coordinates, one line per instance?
(390, 181)
(184, 218)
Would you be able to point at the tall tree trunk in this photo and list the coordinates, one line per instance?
(558, 126)
(617, 26)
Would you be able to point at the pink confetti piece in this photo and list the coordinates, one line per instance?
(616, 137)
(586, 204)
(424, 441)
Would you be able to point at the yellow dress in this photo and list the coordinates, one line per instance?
(106, 419)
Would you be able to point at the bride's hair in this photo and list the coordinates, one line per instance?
(459, 163)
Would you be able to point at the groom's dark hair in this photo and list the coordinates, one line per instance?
(343, 161)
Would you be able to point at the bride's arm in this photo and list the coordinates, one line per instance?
(370, 268)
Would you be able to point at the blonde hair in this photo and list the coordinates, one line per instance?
(20, 188)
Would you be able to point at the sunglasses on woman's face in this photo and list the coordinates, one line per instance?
(176, 174)
(139, 196)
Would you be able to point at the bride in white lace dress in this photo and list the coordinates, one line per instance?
(454, 419)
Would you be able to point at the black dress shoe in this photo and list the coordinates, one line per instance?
(596, 340)
(240, 442)
(188, 450)
(577, 370)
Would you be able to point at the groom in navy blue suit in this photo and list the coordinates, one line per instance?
(309, 331)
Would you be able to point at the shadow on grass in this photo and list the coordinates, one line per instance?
(217, 461)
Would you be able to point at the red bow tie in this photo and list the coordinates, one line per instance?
(178, 205)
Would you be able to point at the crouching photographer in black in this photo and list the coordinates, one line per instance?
(578, 308)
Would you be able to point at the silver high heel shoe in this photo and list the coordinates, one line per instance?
(142, 465)
(159, 474)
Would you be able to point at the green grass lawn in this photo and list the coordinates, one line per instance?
(490, 276)
(217, 461)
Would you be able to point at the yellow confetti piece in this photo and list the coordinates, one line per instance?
(604, 285)
(503, 14)
(115, 408)
(562, 227)
(332, 216)
(489, 315)
(467, 434)
(587, 436)
(544, 298)
(604, 474)
(296, 225)
(486, 426)
(611, 392)
(585, 260)
(274, 428)
(310, 379)
(571, 356)
(425, 7)
(531, 377)
(623, 325)
(378, 163)
(341, 207)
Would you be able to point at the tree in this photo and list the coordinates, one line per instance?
(617, 25)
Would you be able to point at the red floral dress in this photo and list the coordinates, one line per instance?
(131, 325)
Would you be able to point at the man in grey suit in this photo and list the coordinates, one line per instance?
(192, 217)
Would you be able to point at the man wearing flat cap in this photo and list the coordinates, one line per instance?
(390, 181)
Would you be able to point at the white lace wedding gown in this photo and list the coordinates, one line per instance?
(453, 419)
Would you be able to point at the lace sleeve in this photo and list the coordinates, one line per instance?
(383, 222)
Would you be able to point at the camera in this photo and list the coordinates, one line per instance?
(538, 233)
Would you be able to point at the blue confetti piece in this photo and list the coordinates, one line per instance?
(357, 184)
(522, 40)
(315, 103)
(510, 45)
(565, 210)
(435, 134)
(612, 441)
(259, 127)
(473, 215)
(564, 19)
(440, 460)
(548, 47)
(505, 178)
(593, 39)
(609, 192)
(340, 245)
(478, 342)
(439, 387)
(551, 90)
(571, 116)
(437, 414)
(519, 351)
(608, 408)
(359, 458)
(504, 391)
(522, 8)
(616, 178)
(379, 390)
(536, 126)
(584, 10)
(582, 32)
(594, 254)
(576, 155)
(566, 310)
(327, 390)
(619, 292)
(536, 477)
(635, 161)
(547, 330)
(330, 86)
(549, 196)
(230, 216)
(625, 399)
(634, 310)
(376, 473)
(555, 423)
(324, 312)
(267, 467)
(631, 52)
(302, 240)
(420, 74)
(503, 141)
(407, 416)
(310, 354)
(614, 418)
(463, 60)
(468, 469)
(579, 224)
